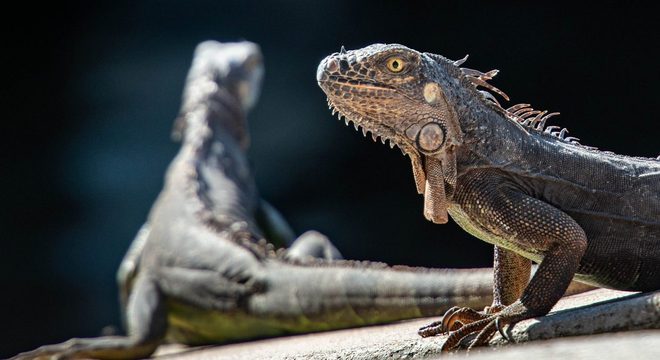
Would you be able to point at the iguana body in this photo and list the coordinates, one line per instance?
(506, 178)
(200, 271)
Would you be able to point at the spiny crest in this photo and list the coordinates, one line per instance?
(523, 114)
(526, 116)
(311, 261)
(359, 264)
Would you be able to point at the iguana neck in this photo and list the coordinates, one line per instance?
(489, 138)
(218, 179)
(210, 113)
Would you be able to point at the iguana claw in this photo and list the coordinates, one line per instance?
(432, 329)
(499, 329)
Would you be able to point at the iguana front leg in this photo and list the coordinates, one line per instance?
(311, 244)
(499, 212)
(274, 226)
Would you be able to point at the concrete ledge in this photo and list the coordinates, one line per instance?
(642, 345)
(593, 312)
(590, 313)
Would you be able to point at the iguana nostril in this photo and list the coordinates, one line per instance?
(343, 65)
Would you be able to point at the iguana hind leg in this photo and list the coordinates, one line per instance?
(147, 324)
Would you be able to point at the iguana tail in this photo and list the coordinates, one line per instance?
(313, 298)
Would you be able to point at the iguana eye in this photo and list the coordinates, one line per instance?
(395, 64)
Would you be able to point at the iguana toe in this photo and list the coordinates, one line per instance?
(453, 319)
(431, 329)
(456, 336)
(486, 333)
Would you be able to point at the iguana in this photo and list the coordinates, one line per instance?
(505, 177)
(201, 272)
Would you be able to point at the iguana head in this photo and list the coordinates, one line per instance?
(398, 94)
(226, 73)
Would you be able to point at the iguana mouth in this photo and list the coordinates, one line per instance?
(360, 84)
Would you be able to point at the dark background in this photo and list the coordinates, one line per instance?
(90, 93)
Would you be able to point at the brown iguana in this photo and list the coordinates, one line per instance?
(200, 270)
(506, 178)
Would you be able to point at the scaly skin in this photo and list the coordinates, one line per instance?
(200, 271)
(506, 178)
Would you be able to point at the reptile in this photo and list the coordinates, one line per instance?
(505, 177)
(204, 270)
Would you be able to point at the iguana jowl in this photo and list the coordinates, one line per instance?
(200, 272)
(506, 178)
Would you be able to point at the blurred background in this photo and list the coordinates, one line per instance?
(93, 90)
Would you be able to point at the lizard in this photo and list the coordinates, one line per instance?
(505, 177)
(204, 270)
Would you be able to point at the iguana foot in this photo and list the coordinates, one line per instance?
(109, 347)
(453, 319)
(456, 317)
(460, 322)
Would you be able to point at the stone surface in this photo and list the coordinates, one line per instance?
(593, 312)
(636, 345)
